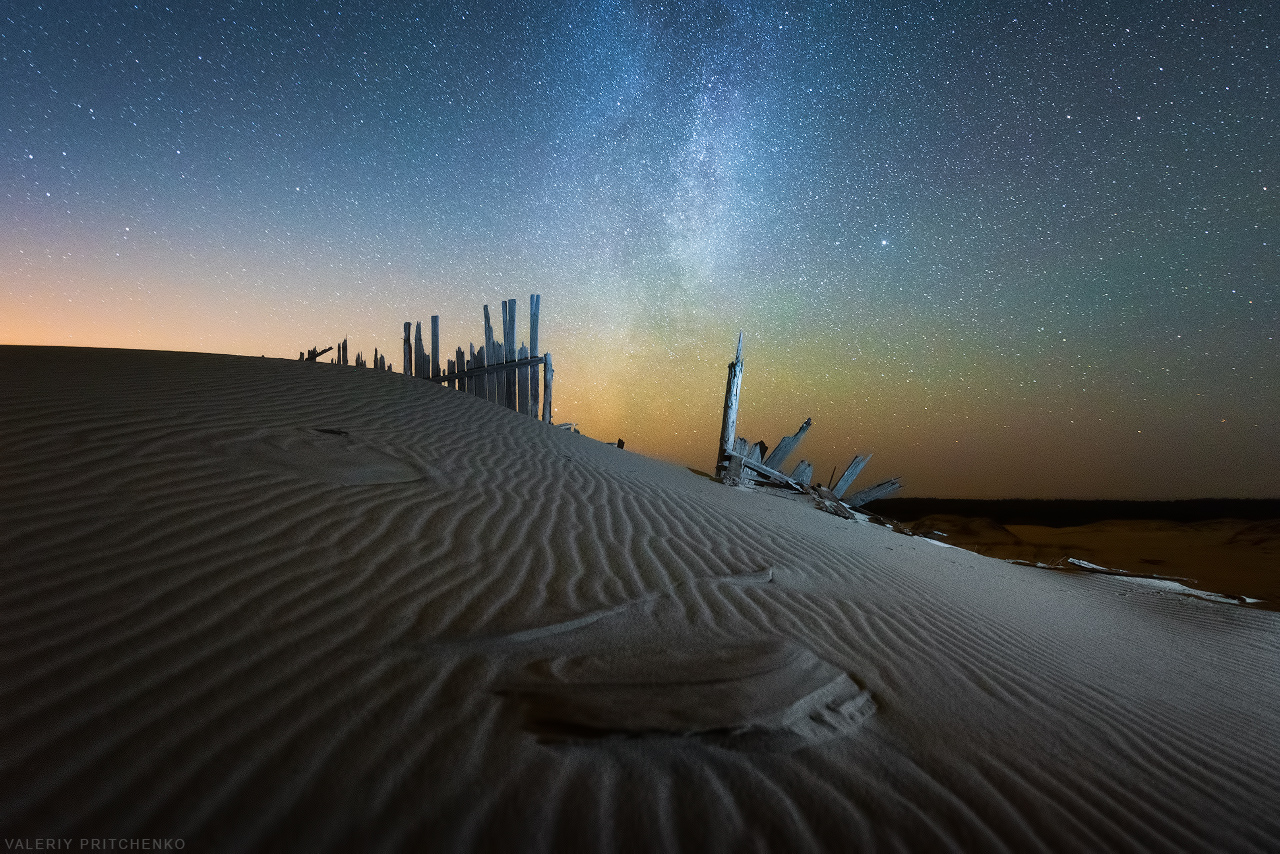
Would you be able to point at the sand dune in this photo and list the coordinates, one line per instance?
(260, 604)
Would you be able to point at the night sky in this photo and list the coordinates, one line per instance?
(1016, 250)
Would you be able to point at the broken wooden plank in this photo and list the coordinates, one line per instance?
(854, 469)
(776, 477)
(314, 354)
(786, 445)
(757, 451)
(729, 421)
(871, 493)
(740, 446)
(803, 473)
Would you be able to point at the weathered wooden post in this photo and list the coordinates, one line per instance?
(435, 346)
(509, 341)
(803, 473)
(419, 359)
(522, 381)
(729, 423)
(459, 383)
(489, 382)
(407, 365)
(535, 306)
(548, 375)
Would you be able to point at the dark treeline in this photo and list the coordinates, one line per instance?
(1064, 513)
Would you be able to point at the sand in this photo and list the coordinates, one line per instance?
(263, 605)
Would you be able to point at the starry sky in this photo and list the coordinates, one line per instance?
(1013, 249)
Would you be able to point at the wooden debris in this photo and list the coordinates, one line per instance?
(729, 422)
(786, 445)
(803, 473)
(314, 354)
(842, 486)
(871, 493)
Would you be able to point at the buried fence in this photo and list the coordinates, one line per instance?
(499, 371)
(741, 463)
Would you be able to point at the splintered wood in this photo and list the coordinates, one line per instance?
(741, 463)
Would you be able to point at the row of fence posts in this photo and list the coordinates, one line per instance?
(340, 358)
(499, 371)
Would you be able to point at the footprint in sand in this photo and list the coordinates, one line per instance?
(633, 672)
(324, 454)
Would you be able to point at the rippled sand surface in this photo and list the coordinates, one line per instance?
(266, 605)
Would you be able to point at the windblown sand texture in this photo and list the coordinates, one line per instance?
(266, 605)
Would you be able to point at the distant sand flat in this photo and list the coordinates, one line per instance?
(266, 605)
(1234, 556)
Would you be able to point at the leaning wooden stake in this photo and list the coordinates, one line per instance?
(871, 493)
(786, 445)
(729, 424)
(842, 485)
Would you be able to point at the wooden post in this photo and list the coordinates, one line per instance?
(803, 473)
(729, 423)
(435, 346)
(522, 381)
(535, 307)
(486, 382)
(408, 350)
(417, 350)
(509, 340)
(459, 359)
(503, 385)
(786, 445)
(548, 375)
(473, 383)
(483, 379)
(842, 485)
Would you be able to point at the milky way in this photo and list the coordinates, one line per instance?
(1013, 249)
